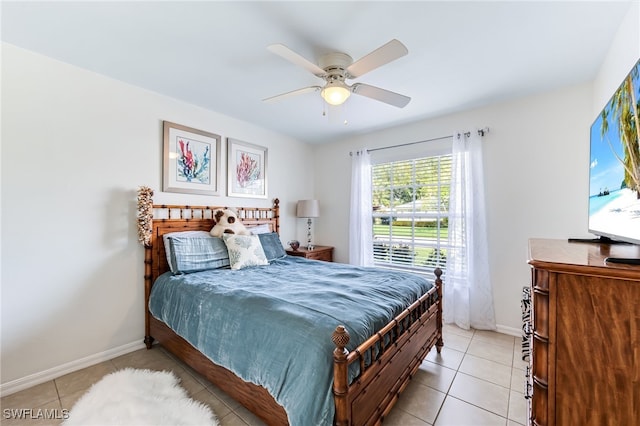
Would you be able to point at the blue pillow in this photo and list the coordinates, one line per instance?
(272, 246)
(193, 253)
(167, 245)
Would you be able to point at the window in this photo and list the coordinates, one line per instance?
(410, 213)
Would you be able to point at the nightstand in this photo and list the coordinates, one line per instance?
(318, 253)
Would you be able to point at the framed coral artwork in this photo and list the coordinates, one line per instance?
(246, 169)
(191, 160)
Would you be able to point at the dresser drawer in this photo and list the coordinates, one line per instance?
(325, 255)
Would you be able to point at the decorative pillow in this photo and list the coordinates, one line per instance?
(272, 246)
(260, 229)
(244, 250)
(195, 252)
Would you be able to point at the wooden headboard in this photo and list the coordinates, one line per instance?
(175, 218)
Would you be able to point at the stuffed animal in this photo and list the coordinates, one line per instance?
(227, 223)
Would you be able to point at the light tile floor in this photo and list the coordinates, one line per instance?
(478, 379)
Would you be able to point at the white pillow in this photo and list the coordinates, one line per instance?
(244, 250)
(265, 228)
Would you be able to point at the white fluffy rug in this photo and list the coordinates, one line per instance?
(138, 397)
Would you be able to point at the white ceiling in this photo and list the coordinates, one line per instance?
(214, 54)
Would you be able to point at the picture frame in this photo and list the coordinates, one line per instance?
(191, 160)
(246, 169)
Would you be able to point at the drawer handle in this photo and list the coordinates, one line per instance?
(543, 384)
(541, 338)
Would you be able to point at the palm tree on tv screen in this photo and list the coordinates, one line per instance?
(623, 111)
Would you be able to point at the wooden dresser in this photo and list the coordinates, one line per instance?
(585, 358)
(318, 253)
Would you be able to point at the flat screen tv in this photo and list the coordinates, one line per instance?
(614, 172)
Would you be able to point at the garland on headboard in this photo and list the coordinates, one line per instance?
(145, 214)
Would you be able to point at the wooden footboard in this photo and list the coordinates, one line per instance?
(386, 361)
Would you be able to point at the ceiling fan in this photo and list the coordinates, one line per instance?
(335, 68)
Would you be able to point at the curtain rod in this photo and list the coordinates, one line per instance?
(410, 143)
(481, 132)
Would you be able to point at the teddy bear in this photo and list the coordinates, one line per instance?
(227, 223)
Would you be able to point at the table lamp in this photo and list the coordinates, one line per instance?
(308, 209)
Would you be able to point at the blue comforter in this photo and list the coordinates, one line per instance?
(272, 325)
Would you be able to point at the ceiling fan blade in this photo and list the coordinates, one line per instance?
(296, 59)
(381, 95)
(292, 93)
(381, 56)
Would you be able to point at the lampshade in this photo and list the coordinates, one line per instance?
(335, 93)
(308, 208)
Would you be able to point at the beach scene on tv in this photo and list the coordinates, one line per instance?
(614, 185)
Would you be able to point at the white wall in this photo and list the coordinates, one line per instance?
(75, 147)
(536, 165)
(621, 57)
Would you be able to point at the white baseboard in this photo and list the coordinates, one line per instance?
(55, 372)
(517, 332)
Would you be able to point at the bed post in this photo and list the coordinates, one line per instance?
(276, 209)
(340, 338)
(144, 219)
(148, 340)
(439, 342)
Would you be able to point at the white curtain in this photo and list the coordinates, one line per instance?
(468, 297)
(360, 220)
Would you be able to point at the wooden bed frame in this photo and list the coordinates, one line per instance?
(397, 349)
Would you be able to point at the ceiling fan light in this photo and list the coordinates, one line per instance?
(335, 94)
